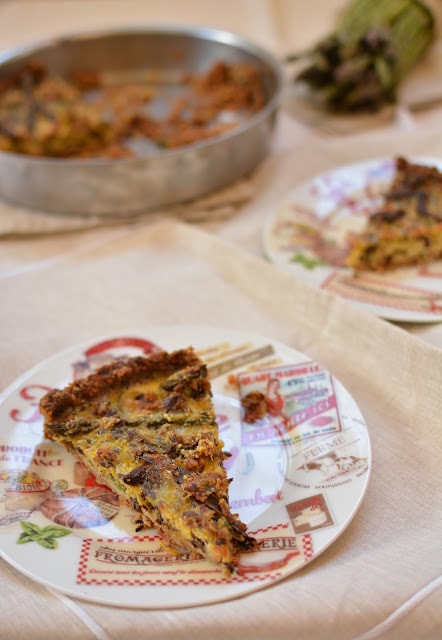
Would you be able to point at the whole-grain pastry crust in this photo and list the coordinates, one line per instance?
(407, 229)
(146, 427)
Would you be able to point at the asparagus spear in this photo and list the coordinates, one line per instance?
(359, 66)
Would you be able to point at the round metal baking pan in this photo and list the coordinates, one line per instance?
(163, 177)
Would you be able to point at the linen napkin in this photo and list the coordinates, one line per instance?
(15, 220)
(382, 577)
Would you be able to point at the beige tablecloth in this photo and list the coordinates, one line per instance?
(62, 284)
(381, 578)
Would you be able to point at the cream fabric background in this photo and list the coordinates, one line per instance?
(382, 577)
(169, 274)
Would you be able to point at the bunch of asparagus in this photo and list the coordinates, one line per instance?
(359, 66)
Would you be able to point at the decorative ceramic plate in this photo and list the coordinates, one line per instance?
(299, 472)
(307, 235)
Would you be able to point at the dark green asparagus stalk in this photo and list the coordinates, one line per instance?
(359, 66)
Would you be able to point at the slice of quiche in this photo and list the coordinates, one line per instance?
(407, 229)
(146, 427)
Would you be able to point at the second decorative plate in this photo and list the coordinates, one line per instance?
(307, 235)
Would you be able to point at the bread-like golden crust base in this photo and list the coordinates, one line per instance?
(146, 427)
(408, 229)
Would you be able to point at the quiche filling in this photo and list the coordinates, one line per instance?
(407, 230)
(146, 427)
